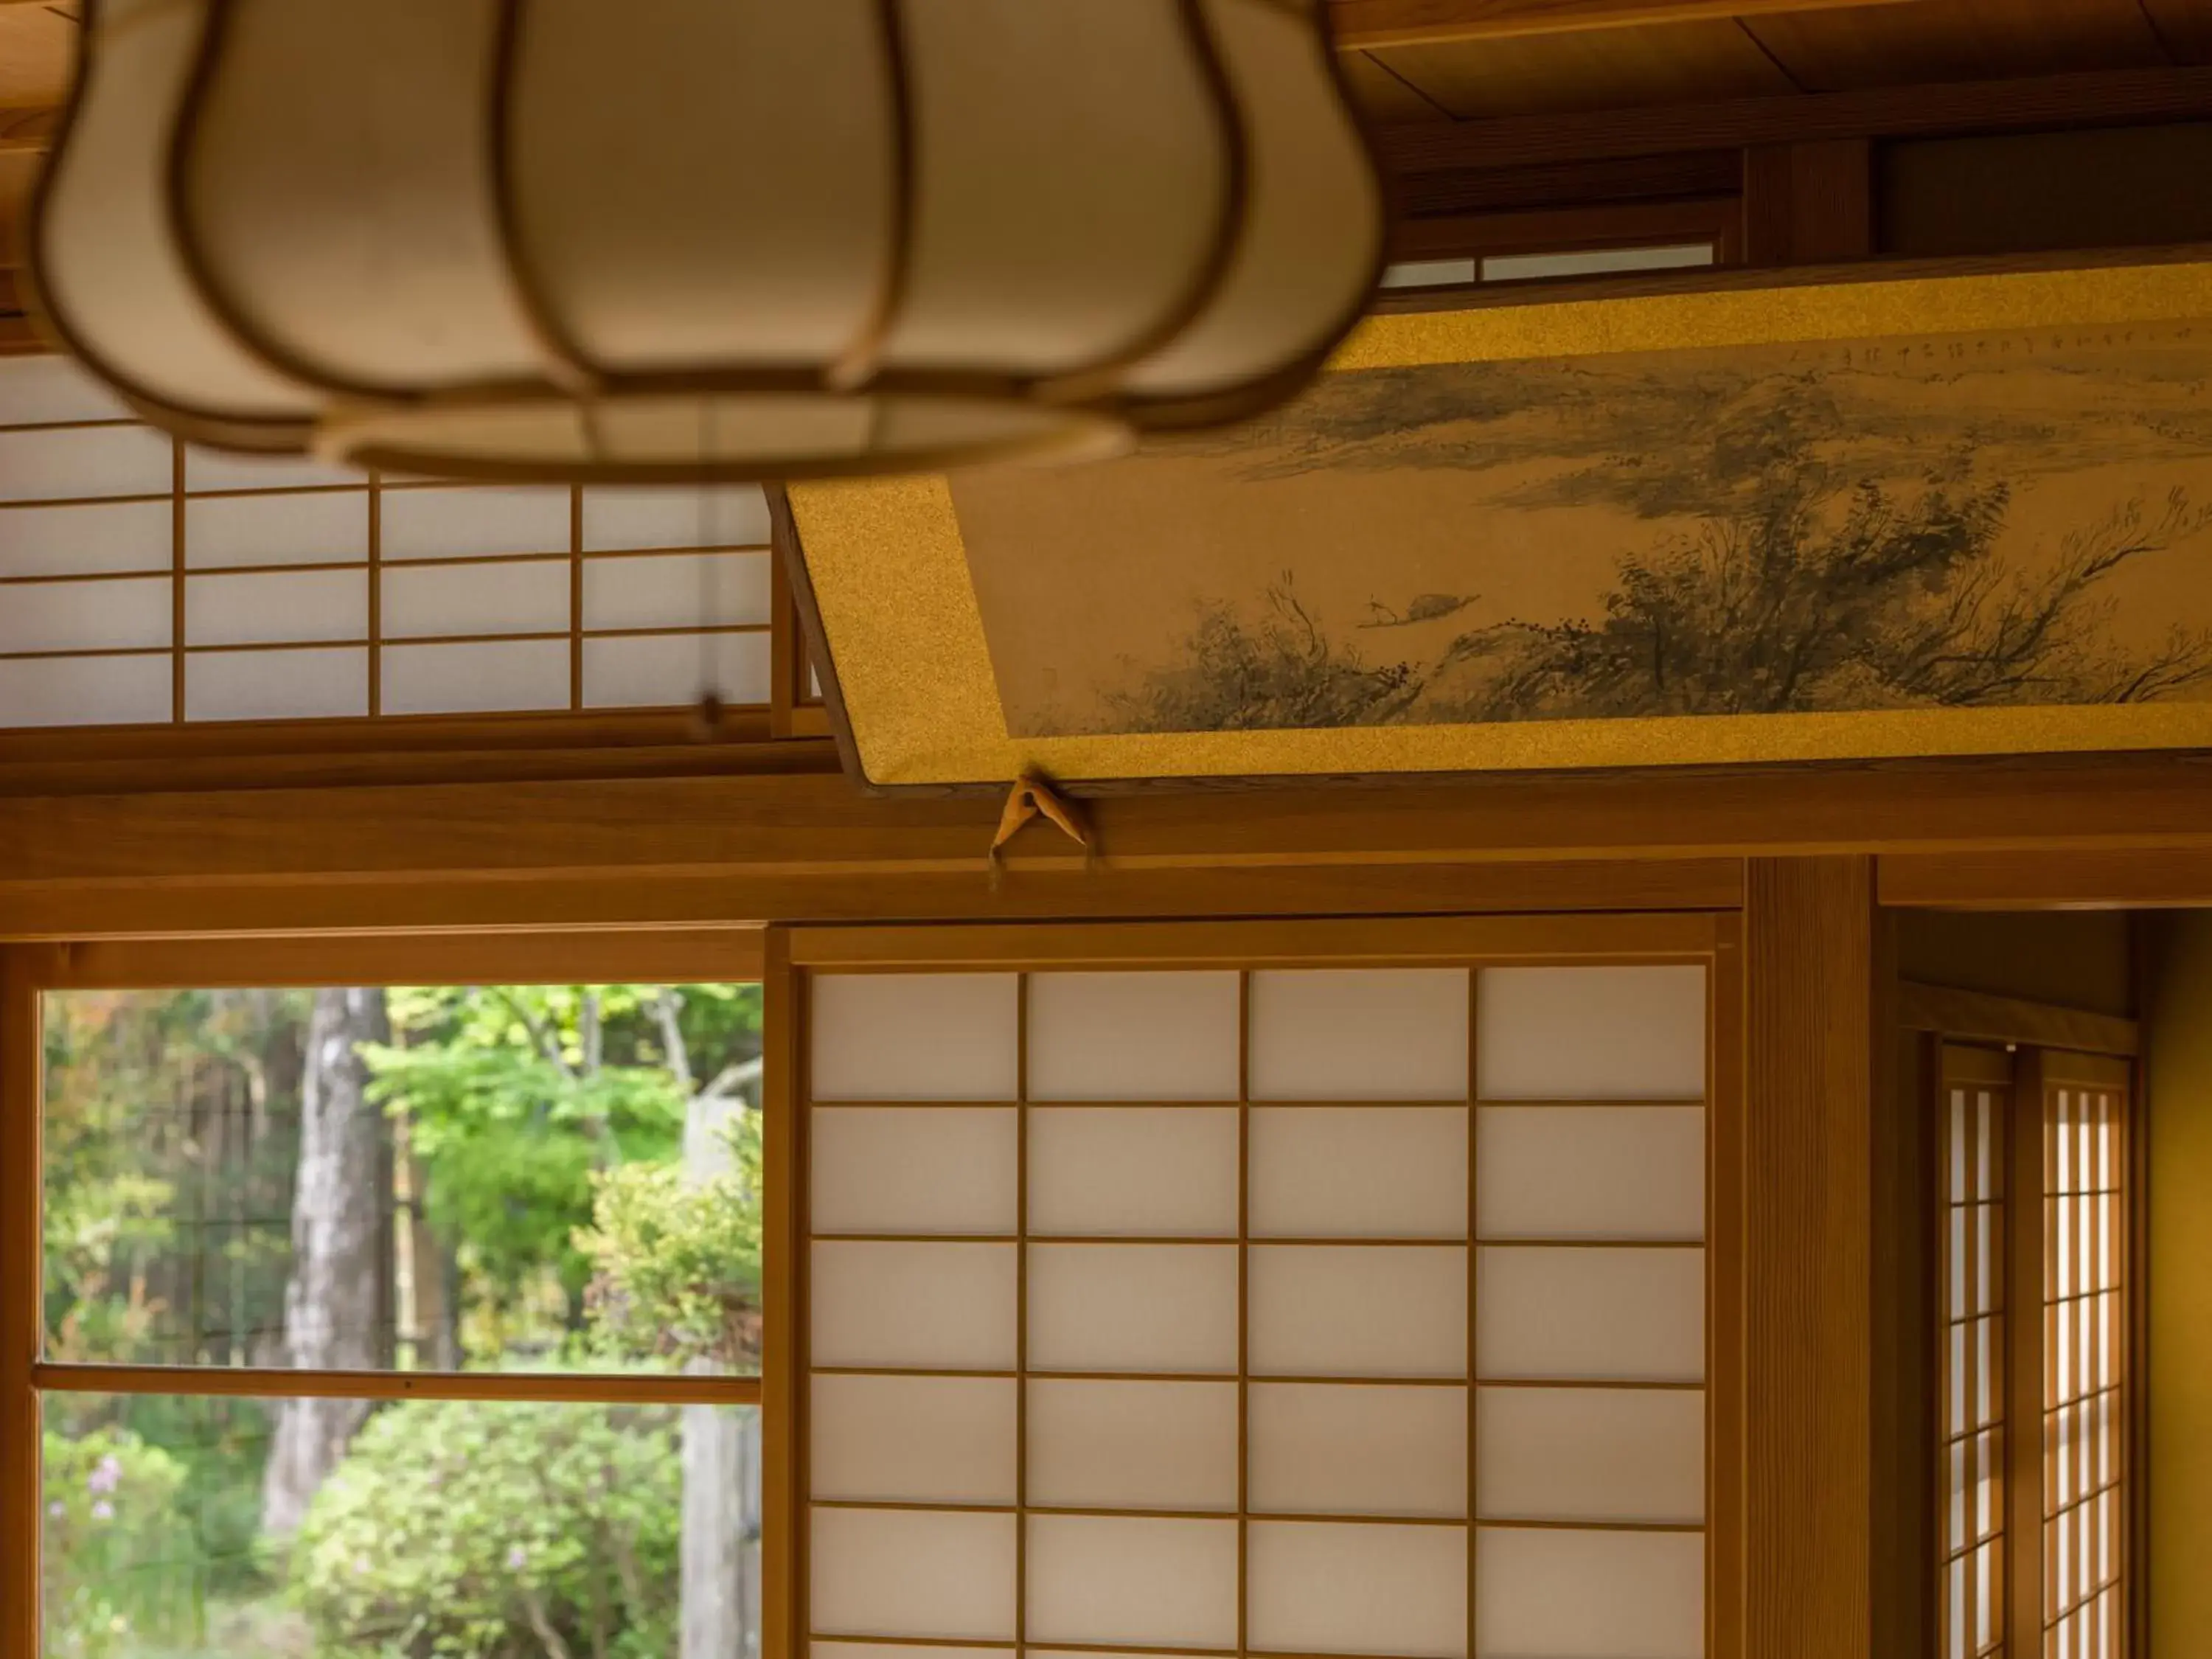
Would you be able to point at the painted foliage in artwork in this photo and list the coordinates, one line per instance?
(1986, 520)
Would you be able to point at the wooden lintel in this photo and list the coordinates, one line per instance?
(1977, 1016)
(1361, 25)
(644, 851)
(2112, 97)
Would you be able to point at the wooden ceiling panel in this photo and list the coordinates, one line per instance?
(2185, 25)
(1957, 40)
(1382, 96)
(1589, 69)
(36, 42)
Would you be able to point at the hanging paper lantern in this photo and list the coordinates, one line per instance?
(673, 239)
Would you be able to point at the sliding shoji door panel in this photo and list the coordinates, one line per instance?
(1299, 1308)
(147, 582)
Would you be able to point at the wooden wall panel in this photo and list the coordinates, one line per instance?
(1956, 40)
(1604, 68)
(1810, 967)
(2184, 28)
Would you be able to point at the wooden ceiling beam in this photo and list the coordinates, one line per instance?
(2099, 98)
(1364, 25)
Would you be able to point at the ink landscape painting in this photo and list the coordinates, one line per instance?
(1995, 520)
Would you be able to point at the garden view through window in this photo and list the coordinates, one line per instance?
(552, 1191)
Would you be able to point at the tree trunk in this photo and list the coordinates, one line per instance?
(336, 1293)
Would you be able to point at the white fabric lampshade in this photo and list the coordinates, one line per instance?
(704, 238)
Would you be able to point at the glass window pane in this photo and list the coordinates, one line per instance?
(495, 1178)
(272, 1528)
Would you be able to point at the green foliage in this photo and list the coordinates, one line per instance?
(678, 1262)
(517, 1096)
(108, 1499)
(470, 1531)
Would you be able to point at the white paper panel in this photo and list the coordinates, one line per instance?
(517, 596)
(79, 461)
(277, 607)
(321, 528)
(1600, 1313)
(1594, 262)
(320, 683)
(915, 1169)
(1342, 1449)
(490, 677)
(1324, 1311)
(1591, 1033)
(53, 388)
(664, 671)
(1322, 1588)
(913, 1439)
(821, 1649)
(1565, 1595)
(908, 1572)
(216, 468)
(1359, 1171)
(1133, 1308)
(676, 590)
(729, 516)
(1360, 1034)
(1133, 1445)
(1134, 1036)
(1166, 1171)
(915, 1036)
(450, 524)
(81, 541)
(1429, 273)
(930, 1307)
(114, 615)
(1153, 1582)
(1591, 1172)
(84, 690)
(1590, 1455)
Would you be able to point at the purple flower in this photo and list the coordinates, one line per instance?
(107, 1475)
(517, 1557)
(103, 1510)
(57, 1509)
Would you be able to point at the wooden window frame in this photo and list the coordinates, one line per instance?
(27, 972)
(2035, 1048)
(1711, 940)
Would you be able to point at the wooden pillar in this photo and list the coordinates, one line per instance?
(1809, 203)
(21, 1322)
(1816, 1019)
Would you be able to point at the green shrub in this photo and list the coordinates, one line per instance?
(459, 1530)
(676, 1265)
(111, 1539)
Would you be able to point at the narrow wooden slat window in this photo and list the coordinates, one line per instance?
(2032, 1407)
(1976, 1103)
(1302, 1311)
(2084, 1327)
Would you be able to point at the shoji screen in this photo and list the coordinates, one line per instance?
(1287, 1309)
(142, 581)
